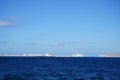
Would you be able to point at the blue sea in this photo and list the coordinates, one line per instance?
(59, 68)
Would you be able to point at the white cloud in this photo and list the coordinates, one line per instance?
(5, 23)
(64, 43)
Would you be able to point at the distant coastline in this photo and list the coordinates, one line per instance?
(37, 55)
(110, 55)
(50, 55)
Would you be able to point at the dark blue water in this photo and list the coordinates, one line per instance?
(53, 68)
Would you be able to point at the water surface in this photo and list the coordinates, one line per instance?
(59, 68)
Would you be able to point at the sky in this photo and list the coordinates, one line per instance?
(60, 27)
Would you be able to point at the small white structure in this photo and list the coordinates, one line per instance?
(34, 55)
(46, 55)
(77, 55)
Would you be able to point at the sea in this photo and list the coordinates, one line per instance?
(59, 68)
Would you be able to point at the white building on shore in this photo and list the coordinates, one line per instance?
(77, 55)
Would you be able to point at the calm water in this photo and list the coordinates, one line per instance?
(51, 68)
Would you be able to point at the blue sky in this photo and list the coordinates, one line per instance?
(60, 27)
